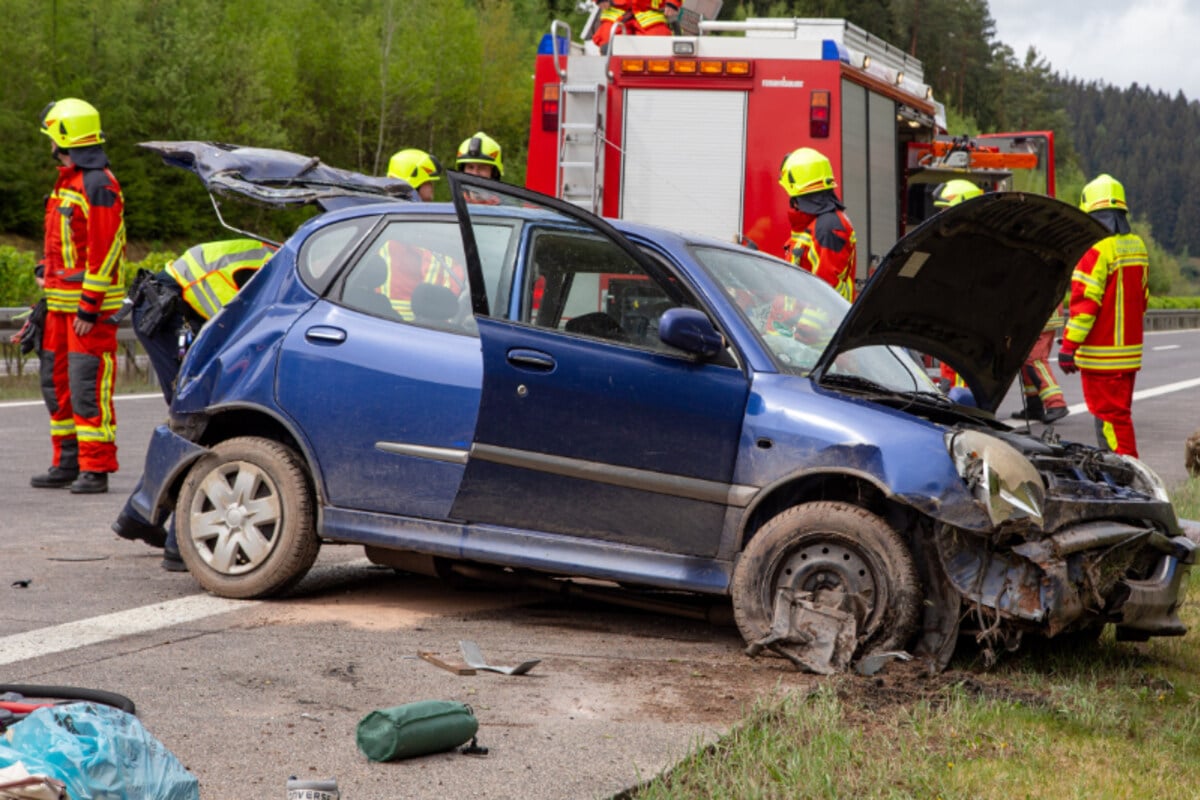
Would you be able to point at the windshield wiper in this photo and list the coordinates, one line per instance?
(848, 381)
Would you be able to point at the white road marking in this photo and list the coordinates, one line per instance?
(1146, 394)
(1167, 347)
(71, 635)
(26, 403)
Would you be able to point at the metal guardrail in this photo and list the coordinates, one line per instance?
(12, 364)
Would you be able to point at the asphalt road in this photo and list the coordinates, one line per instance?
(247, 693)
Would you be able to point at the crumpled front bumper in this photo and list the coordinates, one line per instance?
(167, 459)
(1048, 583)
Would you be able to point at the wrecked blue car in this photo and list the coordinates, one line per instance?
(508, 385)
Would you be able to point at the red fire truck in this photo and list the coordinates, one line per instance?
(689, 132)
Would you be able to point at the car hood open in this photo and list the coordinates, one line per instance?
(972, 286)
(277, 177)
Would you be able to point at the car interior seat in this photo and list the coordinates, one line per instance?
(598, 324)
(434, 304)
(362, 290)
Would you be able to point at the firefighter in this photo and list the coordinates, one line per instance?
(480, 155)
(947, 195)
(612, 14)
(823, 240)
(653, 17)
(84, 247)
(418, 168)
(1103, 336)
(168, 308)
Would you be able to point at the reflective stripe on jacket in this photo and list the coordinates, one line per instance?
(1109, 290)
(210, 274)
(828, 248)
(84, 243)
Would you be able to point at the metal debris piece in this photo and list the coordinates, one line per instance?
(474, 658)
(453, 668)
(815, 631)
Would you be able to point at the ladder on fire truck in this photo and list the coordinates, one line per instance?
(581, 110)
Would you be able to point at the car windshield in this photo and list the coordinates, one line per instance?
(796, 315)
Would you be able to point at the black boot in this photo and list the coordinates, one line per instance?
(90, 483)
(1032, 410)
(127, 527)
(54, 478)
(173, 562)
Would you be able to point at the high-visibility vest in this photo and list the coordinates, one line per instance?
(209, 274)
(828, 248)
(1109, 289)
(84, 242)
(409, 265)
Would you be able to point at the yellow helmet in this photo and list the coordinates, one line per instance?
(806, 171)
(1104, 192)
(415, 166)
(951, 193)
(72, 123)
(480, 149)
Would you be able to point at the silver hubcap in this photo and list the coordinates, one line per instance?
(236, 518)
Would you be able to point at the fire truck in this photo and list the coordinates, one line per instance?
(689, 131)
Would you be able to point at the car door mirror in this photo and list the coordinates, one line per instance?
(690, 330)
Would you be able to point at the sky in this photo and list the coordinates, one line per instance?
(1154, 43)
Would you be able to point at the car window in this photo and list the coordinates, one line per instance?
(567, 276)
(796, 314)
(413, 271)
(327, 248)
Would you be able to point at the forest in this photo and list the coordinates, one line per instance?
(355, 80)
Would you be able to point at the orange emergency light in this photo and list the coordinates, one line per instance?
(818, 114)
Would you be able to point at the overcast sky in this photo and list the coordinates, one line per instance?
(1154, 43)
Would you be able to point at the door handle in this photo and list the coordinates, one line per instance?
(324, 334)
(534, 360)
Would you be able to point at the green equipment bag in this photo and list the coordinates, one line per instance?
(415, 729)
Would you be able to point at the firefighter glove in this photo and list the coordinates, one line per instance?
(1066, 362)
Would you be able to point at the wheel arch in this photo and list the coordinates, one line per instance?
(229, 422)
(851, 486)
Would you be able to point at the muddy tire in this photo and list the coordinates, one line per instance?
(245, 519)
(830, 545)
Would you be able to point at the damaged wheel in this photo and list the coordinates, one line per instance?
(825, 550)
(245, 519)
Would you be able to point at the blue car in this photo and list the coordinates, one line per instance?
(506, 383)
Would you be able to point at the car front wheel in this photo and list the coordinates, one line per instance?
(838, 548)
(245, 519)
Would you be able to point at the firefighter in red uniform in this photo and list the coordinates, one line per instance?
(653, 17)
(947, 195)
(612, 13)
(1103, 337)
(84, 247)
(823, 240)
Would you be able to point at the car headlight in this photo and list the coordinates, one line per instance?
(1146, 480)
(999, 476)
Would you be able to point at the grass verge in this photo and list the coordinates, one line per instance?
(1101, 719)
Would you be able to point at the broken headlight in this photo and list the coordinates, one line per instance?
(999, 476)
(1145, 480)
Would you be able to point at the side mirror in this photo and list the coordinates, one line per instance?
(690, 330)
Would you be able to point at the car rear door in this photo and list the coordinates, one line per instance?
(382, 380)
(590, 426)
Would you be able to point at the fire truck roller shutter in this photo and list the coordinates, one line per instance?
(660, 181)
(870, 164)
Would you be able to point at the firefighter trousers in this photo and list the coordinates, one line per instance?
(1037, 380)
(77, 377)
(1109, 398)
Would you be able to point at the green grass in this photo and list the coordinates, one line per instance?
(25, 386)
(1104, 719)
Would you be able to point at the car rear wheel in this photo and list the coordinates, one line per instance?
(831, 546)
(245, 519)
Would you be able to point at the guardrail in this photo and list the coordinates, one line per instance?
(11, 362)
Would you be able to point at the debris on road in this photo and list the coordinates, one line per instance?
(474, 657)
